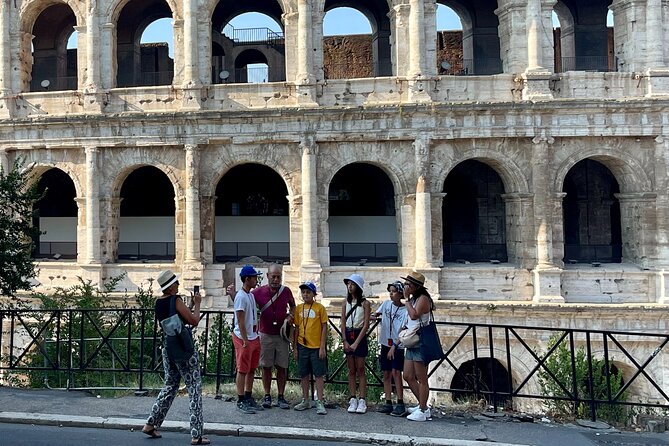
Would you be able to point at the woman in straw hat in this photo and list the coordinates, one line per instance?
(415, 368)
(174, 371)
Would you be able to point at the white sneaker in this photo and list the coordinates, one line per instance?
(352, 405)
(412, 409)
(418, 415)
(362, 406)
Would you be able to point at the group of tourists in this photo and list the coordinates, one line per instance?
(267, 324)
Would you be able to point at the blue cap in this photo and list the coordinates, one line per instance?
(248, 271)
(309, 286)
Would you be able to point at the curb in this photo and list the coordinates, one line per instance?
(237, 430)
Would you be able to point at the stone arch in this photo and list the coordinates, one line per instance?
(113, 11)
(628, 172)
(209, 6)
(31, 10)
(513, 177)
(220, 170)
(38, 168)
(401, 184)
(117, 182)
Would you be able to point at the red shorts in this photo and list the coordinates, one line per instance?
(247, 358)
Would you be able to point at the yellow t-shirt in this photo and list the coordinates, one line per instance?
(309, 320)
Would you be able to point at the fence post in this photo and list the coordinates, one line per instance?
(593, 407)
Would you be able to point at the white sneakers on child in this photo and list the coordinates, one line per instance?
(357, 406)
(362, 406)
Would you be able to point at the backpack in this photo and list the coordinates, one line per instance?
(178, 338)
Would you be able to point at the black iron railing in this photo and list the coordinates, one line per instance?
(119, 349)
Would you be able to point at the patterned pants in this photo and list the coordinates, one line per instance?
(190, 371)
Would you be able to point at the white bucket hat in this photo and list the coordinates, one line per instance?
(357, 279)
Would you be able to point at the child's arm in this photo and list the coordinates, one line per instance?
(324, 337)
(342, 326)
(296, 332)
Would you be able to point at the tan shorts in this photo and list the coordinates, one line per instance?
(273, 351)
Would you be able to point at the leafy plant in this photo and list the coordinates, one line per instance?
(560, 365)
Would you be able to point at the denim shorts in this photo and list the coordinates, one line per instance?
(413, 354)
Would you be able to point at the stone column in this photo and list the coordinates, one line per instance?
(192, 205)
(416, 39)
(309, 203)
(423, 205)
(92, 205)
(4, 160)
(661, 173)
(5, 49)
(399, 15)
(191, 76)
(305, 73)
(536, 77)
(512, 17)
(108, 62)
(208, 232)
(92, 48)
(654, 34)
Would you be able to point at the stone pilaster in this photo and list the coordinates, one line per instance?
(305, 74)
(108, 61)
(92, 48)
(512, 17)
(520, 240)
(437, 205)
(654, 34)
(5, 50)
(407, 246)
(399, 16)
(423, 225)
(536, 77)
(661, 232)
(208, 232)
(4, 160)
(416, 39)
(309, 204)
(638, 219)
(191, 76)
(111, 227)
(92, 205)
(192, 214)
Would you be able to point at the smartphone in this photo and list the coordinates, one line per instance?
(196, 289)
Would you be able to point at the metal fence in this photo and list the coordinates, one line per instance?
(119, 349)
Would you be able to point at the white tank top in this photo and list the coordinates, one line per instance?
(357, 317)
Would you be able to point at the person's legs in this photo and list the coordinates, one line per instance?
(350, 363)
(191, 372)
(387, 383)
(240, 381)
(399, 385)
(248, 381)
(410, 377)
(423, 387)
(362, 378)
(165, 397)
(281, 378)
(320, 386)
(267, 379)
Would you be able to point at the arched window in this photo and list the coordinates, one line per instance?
(54, 50)
(252, 215)
(147, 216)
(363, 226)
(451, 58)
(56, 216)
(592, 230)
(347, 44)
(474, 215)
(144, 44)
(248, 44)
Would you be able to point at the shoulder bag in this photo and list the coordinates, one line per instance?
(178, 338)
(430, 344)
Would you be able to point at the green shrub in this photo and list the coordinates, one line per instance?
(559, 363)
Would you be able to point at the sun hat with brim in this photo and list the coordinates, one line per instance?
(357, 279)
(416, 278)
(166, 279)
(249, 271)
(309, 286)
(399, 286)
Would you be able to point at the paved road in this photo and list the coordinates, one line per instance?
(28, 435)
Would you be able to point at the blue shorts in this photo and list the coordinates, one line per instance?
(397, 363)
(413, 354)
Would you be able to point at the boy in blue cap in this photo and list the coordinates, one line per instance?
(246, 341)
(311, 331)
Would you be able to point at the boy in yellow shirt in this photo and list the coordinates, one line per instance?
(311, 331)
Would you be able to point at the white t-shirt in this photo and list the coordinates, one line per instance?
(393, 319)
(245, 302)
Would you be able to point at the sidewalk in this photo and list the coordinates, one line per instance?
(75, 408)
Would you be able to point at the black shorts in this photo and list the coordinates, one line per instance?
(397, 362)
(308, 362)
(363, 348)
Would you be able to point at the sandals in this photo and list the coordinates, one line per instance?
(200, 440)
(153, 433)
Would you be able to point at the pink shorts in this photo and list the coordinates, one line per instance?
(247, 358)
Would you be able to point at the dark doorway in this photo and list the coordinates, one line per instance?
(482, 378)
